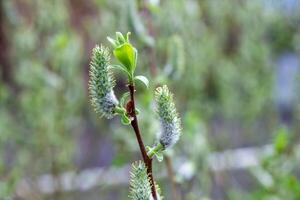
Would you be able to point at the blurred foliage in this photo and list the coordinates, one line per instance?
(46, 100)
(219, 57)
(279, 170)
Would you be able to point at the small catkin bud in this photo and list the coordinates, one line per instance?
(101, 83)
(140, 188)
(170, 122)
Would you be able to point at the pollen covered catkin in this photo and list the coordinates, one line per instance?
(101, 83)
(169, 120)
(140, 188)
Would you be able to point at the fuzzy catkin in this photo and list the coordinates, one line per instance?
(169, 120)
(101, 83)
(140, 188)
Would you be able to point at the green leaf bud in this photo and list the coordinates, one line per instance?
(126, 55)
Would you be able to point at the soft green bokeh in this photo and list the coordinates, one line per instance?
(219, 58)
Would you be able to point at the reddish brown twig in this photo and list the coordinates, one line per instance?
(135, 126)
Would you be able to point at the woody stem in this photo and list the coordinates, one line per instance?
(135, 126)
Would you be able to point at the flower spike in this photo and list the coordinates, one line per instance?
(101, 83)
(140, 188)
(170, 122)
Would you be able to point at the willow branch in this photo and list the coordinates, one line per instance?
(135, 126)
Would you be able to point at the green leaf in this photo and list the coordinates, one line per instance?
(126, 54)
(156, 151)
(120, 37)
(124, 98)
(281, 140)
(137, 111)
(159, 156)
(143, 80)
(112, 41)
(121, 68)
(125, 120)
(127, 37)
(120, 110)
(135, 59)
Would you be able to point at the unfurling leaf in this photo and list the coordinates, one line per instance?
(126, 54)
(125, 120)
(143, 80)
(159, 156)
(112, 41)
(120, 67)
(124, 98)
(120, 37)
(137, 111)
(156, 151)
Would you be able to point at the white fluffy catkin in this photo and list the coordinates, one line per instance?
(169, 120)
(101, 83)
(140, 188)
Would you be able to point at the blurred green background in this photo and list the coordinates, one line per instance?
(233, 66)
